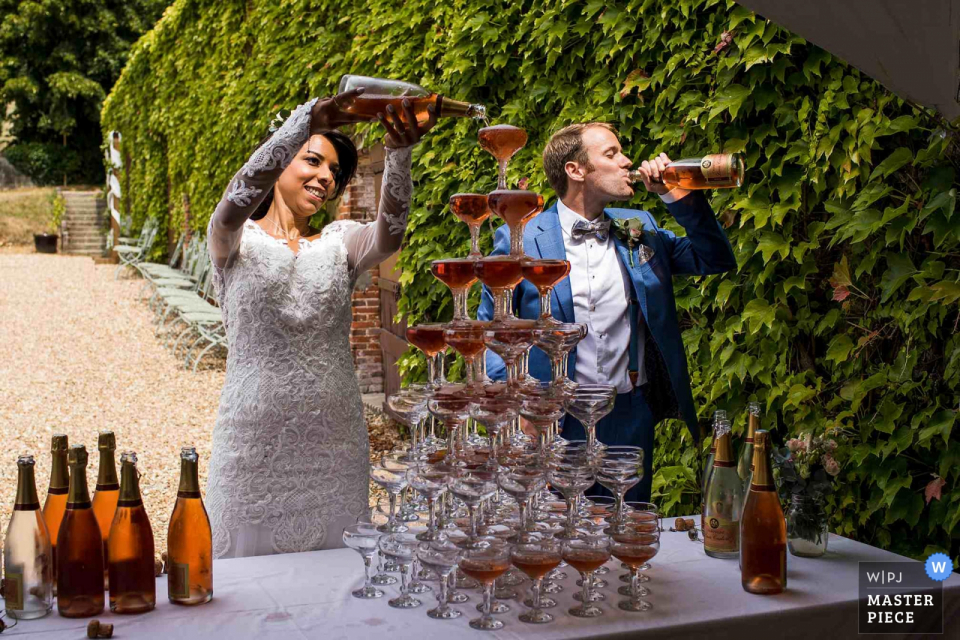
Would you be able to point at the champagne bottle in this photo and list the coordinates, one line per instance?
(763, 530)
(133, 585)
(721, 536)
(745, 466)
(107, 493)
(55, 505)
(718, 415)
(27, 554)
(378, 93)
(79, 547)
(189, 539)
(716, 171)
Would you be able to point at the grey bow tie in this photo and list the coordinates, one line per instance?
(598, 228)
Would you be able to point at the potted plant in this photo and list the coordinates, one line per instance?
(47, 242)
(806, 471)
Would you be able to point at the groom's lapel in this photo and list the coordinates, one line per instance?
(549, 241)
(623, 252)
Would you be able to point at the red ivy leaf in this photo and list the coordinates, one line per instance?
(632, 76)
(522, 185)
(933, 489)
(841, 293)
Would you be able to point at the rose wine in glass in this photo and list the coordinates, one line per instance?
(486, 565)
(467, 340)
(472, 210)
(516, 208)
(502, 141)
(510, 340)
(430, 340)
(501, 274)
(544, 275)
(458, 274)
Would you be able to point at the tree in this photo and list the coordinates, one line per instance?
(58, 60)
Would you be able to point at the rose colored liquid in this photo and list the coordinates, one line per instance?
(499, 272)
(520, 332)
(456, 273)
(470, 208)
(429, 339)
(515, 207)
(536, 565)
(545, 273)
(486, 571)
(467, 341)
(502, 140)
(586, 560)
(635, 557)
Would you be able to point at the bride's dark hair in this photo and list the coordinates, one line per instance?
(347, 157)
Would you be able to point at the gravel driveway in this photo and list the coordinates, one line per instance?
(77, 355)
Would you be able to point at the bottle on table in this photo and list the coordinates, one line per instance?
(718, 415)
(745, 466)
(189, 539)
(79, 547)
(27, 554)
(106, 494)
(763, 529)
(716, 171)
(724, 501)
(379, 92)
(133, 585)
(55, 505)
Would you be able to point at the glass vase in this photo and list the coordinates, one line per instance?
(807, 533)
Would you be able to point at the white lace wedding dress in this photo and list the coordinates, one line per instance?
(290, 463)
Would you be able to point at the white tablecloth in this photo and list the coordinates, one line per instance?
(307, 595)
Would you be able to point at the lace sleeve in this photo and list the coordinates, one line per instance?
(252, 183)
(369, 244)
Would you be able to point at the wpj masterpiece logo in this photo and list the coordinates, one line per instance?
(902, 597)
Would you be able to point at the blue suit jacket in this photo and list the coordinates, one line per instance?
(704, 250)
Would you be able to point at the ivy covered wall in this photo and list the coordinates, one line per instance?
(843, 314)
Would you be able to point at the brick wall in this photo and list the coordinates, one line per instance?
(359, 202)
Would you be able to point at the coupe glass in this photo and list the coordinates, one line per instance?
(374, 519)
(642, 517)
(486, 564)
(571, 483)
(473, 487)
(393, 481)
(510, 341)
(635, 549)
(458, 274)
(410, 406)
(430, 340)
(467, 339)
(622, 468)
(502, 141)
(544, 275)
(472, 210)
(557, 341)
(441, 558)
(452, 405)
(401, 547)
(516, 208)
(430, 481)
(494, 413)
(589, 404)
(522, 484)
(586, 554)
(536, 559)
(363, 539)
(501, 274)
(542, 412)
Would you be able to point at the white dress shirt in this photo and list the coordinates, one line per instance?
(601, 290)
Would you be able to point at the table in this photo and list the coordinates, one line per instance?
(307, 595)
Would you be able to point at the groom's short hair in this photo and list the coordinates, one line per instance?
(565, 146)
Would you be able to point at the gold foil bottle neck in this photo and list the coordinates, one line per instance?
(762, 474)
(59, 442)
(27, 498)
(724, 455)
(107, 441)
(129, 480)
(77, 456)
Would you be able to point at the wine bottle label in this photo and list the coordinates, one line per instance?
(13, 590)
(721, 535)
(178, 580)
(716, 167)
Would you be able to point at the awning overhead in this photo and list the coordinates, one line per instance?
(911, 46)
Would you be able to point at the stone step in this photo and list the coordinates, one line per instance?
(84, 244)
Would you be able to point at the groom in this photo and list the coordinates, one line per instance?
(633, 340)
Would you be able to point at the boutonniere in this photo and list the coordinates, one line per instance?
(630, 231)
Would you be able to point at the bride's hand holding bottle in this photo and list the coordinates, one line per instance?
(330, 113)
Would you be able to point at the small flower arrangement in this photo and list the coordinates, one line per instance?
(807, 466)
(630, 231)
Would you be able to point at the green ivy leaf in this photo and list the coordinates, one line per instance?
(900, 268)
(840, 348)
(902, 156)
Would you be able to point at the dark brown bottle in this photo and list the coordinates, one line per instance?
(763, 530)
(133, 585)
(79, 547)
(189, 539)
(107, 493)
(55, 505)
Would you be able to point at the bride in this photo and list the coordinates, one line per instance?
(289, 466)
